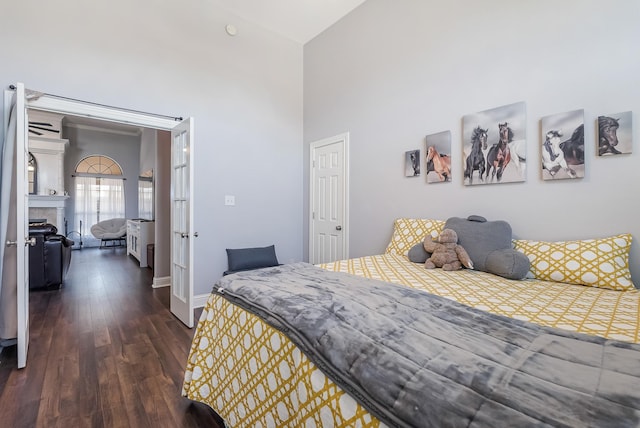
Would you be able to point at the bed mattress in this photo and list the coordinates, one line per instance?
(252, 374)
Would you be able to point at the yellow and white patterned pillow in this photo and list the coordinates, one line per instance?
(602, 263)
(408, 232)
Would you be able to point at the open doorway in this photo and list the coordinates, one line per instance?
(174, 137)
(20, 103)
(103, 173)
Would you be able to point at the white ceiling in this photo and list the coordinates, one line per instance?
(299, 20)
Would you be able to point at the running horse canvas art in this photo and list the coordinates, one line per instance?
(607, 136)
(412, 163)
(441, 163)
(553, 158)
(475, 160)
(499, 154)
(573, 148)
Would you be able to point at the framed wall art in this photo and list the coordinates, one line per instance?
(614, 134)
(494, 145)
(438, 157)
(412, 163)
(562, 145)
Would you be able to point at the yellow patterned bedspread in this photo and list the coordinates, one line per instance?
(253, 376)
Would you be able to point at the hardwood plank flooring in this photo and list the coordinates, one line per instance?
(105, 351)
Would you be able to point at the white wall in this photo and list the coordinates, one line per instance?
(392, 72)
(175, 58)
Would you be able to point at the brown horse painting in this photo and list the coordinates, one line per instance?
(499, 154)
(441, 163)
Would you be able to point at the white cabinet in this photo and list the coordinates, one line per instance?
(140, 233)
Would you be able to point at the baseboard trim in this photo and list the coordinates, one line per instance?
(164, 281)
(200, 300)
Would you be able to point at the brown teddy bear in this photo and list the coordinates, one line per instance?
(446, 253)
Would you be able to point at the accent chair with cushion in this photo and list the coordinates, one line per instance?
(112, 230)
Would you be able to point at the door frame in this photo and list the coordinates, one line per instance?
(73, 107)
(313, 147)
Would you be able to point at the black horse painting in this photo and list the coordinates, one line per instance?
(499, 154)
(475, 160)
(415, 162)
(607, 136)
(573, 148)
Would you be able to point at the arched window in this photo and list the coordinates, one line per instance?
(102, 165)
(32, 170)
(99, 191)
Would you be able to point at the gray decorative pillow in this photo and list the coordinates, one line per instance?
(508, 263)
(251, 258)
(417, 254)
(481, 238)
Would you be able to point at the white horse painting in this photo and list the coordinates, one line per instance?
(552, 155)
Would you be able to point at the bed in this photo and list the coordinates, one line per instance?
(251, 373)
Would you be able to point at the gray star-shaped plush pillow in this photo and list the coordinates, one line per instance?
(488, 244)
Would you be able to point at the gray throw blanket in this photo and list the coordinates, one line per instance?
(418, 360)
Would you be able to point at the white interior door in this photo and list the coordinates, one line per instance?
(22, 228)
(328, 238)
(182, 233)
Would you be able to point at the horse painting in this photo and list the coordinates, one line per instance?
(441, 163)
(475, 160)
(518, 151)
(553, 156)
(499, 154)
(412, 163)
(573, 148)
(608, 136)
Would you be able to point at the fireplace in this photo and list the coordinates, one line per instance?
(50, 208)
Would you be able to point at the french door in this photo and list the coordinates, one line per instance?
(182, 233)
(13, 221)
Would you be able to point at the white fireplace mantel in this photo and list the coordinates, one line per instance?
(46, 205)
(47, 201)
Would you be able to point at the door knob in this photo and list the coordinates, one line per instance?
(184, 235)
(338, 227)
(28, 241)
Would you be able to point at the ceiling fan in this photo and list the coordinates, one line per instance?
(41, 126)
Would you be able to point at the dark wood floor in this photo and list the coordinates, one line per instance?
(104, 352)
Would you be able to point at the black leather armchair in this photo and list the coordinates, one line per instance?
(49, 258)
